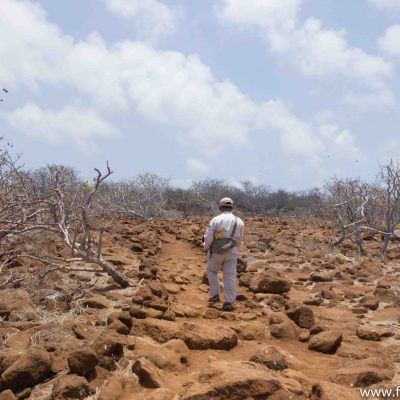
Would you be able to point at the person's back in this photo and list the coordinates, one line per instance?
(224, 226)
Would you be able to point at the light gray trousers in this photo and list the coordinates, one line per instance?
(227, 261)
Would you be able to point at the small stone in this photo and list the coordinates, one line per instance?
(304, 336)
(136, 312)
(230, 316)
(271, 357)
(169, 315)
(211, 313)
(247, 316)
(99, 302)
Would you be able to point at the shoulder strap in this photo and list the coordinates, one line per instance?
(234, 228)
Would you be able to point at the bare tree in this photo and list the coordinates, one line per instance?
(28, 208)
(78, 230)
(389, 177)
(349, 200)
(23, 208)
(143, 197)
(184, 200)
(210, 191)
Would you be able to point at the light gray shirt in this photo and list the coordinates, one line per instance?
(221, 227)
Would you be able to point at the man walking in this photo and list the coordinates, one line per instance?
(223, 236)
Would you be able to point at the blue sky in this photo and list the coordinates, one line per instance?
(287, 93)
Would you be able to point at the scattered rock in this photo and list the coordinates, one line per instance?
(159, 290)
(361, 376)
(70, 387)
(136, 312)
(302, 317)
(321, 277)
(373, 333)
(331, 391)
(114, 388)
(271, 357)
(211, 313)
(85, 332)
(109, 349)
(169, 315)
(99, 302)
(147, 373)
(250, 331)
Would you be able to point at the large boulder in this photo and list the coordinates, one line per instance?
(147, 373)
(196, 336)
(373, 333)
(325, 342)
(202, 337)
(172, 355)
(280, 326)
(159, 330)
(82, 362)
(30, 369)
(232, 380)
(269, 283)
(302, 316)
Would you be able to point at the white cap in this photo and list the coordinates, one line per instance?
(226, 202)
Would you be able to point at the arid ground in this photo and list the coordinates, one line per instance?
(311, 321)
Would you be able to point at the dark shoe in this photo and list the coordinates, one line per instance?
(214, 299)
(227, 307)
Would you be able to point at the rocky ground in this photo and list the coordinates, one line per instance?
(310, 322)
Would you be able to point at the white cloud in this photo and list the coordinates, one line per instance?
(390, 43)
(271, 13)
(296, 136)
(312, 48)
(175, 90)
(340, 143)
(79, 125)
(31, 49)
(366, 100)
(386, 5)
(197, 166)
(155, 19)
